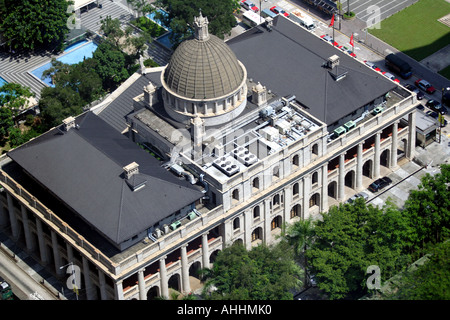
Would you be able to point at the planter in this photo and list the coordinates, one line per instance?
(349, 16)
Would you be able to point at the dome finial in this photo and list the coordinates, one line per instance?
(201, 27)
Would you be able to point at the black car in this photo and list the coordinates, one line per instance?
(380, 184)
(436, 106)
(412, 88)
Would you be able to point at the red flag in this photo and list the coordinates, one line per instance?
(351, 41)
(332, 21)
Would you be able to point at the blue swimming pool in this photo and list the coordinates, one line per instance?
(164, 39)
(75, 45)
(2, 82)
(152, 17)
(83, 50)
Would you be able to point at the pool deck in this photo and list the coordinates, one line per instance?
(14, 67)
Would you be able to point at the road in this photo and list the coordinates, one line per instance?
(23, 285)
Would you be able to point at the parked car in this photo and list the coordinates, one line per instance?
(247, 4)
(411, 88)
(436, 106)
(391, 76)
(363, 195)
(278, 10)
(380, 184)
(372, 65)
(425, 86)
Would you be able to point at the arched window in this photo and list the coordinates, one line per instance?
(236, 224)
(256, 212)
(255, 183)
(295, 189)
(235, 195)
(315, 177)
(276, 200)
(315, 149)
(276, 172)
(295, 160)
(295, 211)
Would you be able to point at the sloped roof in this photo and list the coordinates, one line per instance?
(288, 60)
(84, 168)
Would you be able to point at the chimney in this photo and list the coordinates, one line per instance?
(68, 123)
(130, 170)
(333, 61)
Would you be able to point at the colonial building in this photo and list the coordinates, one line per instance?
(224, 144)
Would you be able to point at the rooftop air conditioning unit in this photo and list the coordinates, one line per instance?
(227, 165)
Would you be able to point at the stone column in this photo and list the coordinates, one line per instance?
(56, 255)
(306, 194)
(101, 279)
(26, 227)
(90, 292)
(41, 240)
(205, 250)
(118, 290)
(376, 160)
(341, 180)
(324, 197)
(394, 145)
(141, 284)
(359, 166)
(267, 212)
(12, 216)
(287, 196)
(411, 135)
(248, 218)
(163, 278)
(185, 270)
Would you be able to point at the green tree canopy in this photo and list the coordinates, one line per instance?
(428, 208)
(112, 64)
(430, 281)
(34, 23)
(16, 98)
(352, 237)
(181, 15)
(259, 274)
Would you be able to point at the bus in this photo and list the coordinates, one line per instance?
(252, 19)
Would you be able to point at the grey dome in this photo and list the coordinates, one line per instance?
(203, 69)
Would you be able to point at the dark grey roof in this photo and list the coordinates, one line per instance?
(289, 59)
(84, 168)
(115, 113)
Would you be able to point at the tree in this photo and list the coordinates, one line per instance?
(352, 237)
(111, 66)
(428, 208)
(141, 6)
(34, 23)
(430, 281)
(300, 236)
(259, 274)
(112, 30)
(15, 97)
(181, 15)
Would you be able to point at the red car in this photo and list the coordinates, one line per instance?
(425, 86)
(278, 10)
(247, 4)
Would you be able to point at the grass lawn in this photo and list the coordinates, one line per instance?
(415, 30)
